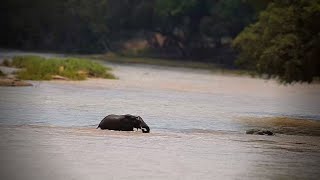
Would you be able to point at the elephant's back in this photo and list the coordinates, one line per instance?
(113, 117)
(111, 121)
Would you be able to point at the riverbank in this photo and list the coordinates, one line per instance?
(13, 82)
(8, 78)
(215, 68)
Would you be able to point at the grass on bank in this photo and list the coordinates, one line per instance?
(215, 68)
(40, 68)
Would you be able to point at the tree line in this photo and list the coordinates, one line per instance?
(186, 26)
(278, 38)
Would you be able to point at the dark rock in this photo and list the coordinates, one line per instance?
(260, 132)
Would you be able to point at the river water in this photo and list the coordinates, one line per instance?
(197, 118)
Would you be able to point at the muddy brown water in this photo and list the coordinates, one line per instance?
(197, 118)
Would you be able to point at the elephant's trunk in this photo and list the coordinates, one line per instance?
(145, 129)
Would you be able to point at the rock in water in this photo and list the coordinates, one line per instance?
(13, 82)
(260, 132)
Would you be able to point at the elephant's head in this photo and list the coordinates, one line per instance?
(140, 124)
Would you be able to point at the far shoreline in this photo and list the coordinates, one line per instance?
(115, 59)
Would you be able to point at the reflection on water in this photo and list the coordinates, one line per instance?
(197, 121)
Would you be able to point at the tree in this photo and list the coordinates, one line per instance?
(284, 43)
(178, 21)
(198, 26)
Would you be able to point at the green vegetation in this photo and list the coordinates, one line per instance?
(39, 68)
(284, 43)
(197, 27)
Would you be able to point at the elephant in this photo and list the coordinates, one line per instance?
(123, 123)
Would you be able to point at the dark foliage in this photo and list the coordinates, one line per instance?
(190, 28)
(285, 42)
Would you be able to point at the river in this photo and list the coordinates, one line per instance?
(197, 118)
